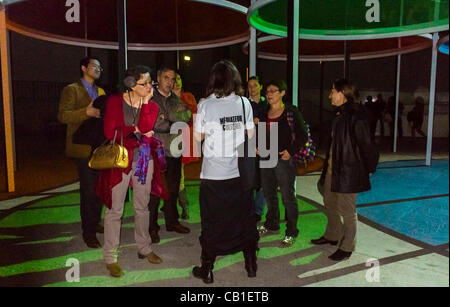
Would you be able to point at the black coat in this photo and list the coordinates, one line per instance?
(90, 131)
(354, 154)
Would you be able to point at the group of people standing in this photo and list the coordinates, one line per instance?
(379, 112)
(142, 118)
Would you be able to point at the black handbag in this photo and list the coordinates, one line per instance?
(247, 161)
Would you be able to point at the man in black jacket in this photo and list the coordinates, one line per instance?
(351, 158)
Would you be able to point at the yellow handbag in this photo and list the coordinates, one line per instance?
(108, 156)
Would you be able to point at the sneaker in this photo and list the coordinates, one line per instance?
(287, 241)
(262, 230)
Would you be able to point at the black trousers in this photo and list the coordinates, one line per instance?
(173, 177)
(90, 205)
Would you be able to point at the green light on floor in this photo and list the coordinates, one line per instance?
(305, 260)
(65, 199)
(56, 240)
(41, 216)
(55, 263)
(8, 237)
(130, 278)
(49, 263)
(64, 209)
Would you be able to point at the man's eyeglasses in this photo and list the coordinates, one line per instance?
(145, 84)
(99, 68)
(272, 92)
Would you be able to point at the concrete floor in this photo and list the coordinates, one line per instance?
(40, 233)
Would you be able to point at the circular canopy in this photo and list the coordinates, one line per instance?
(275, 48)
(353, 20)
(151, 24)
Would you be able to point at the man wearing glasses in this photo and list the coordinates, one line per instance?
(171, 110)
(76, 105)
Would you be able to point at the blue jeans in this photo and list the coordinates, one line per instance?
(259, 201)
(283, 176)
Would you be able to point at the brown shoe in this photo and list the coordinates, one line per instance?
(152, 258)
(178, 228)
(155, 237)
(91, 241)
(114, 269)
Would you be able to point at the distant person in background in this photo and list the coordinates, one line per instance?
(351, 158)
(370, 110)
(380, 109)
(76, 106)
(258, 102)
(415, 117)
(259, 107)
(189, 100)
(390, 109)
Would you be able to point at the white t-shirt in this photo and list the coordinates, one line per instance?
(221, 120)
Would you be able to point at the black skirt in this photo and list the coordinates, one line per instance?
(227, 217)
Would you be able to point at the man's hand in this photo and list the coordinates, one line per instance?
(285, 155)
(91, 111)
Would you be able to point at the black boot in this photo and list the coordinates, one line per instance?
(182, 199)
(205, 272)
(250, 261)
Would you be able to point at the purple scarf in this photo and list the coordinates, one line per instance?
(143, 160)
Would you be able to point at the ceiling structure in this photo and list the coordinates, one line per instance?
(151, 25)
(352, 20)
(275, 48)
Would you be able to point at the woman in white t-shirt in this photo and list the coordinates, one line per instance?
(227, 211)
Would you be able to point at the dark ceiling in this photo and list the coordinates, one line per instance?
(148, 22)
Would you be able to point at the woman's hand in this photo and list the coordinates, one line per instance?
(148, 97)
(149, 134)
(285, 155)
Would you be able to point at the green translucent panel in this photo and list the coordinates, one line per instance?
(352, 18)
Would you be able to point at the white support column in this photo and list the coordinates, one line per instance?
(295, 52)
(252, 52)
(252, 49)
(432, 98)
(8, 110)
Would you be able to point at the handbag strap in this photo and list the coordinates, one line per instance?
(121, 137)
(243, 109)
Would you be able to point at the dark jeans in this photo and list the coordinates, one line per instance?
(90, 205)
(173, 177)
(283, 176)
(259, 202)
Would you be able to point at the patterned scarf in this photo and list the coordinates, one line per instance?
(143, 160)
